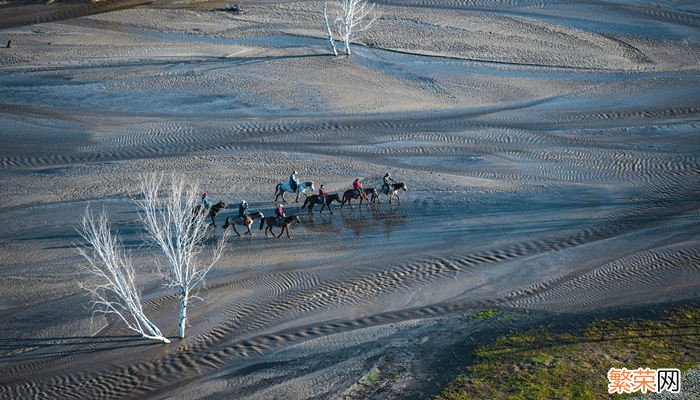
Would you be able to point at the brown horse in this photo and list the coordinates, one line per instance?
(313, 199)
(393, 190)
(247, 222)
(350, 194)
(372, 195)
(272, 221)
(213, 210)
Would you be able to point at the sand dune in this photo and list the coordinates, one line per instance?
(550, 150)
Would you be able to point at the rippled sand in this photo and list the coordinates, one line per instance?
(550, 148)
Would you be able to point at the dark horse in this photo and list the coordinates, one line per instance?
(350, 194)
(393, 191)
(313, 199)
(247, 222)
(372, 195)
(272, 221)
(213, 210)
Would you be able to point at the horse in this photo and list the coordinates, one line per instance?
(272, 221)
(371, 195)
(350, 194)
(213, 210)
(313, 199)
(393, 190)
(247, 222)
(285, 187)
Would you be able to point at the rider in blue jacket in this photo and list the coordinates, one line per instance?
(242, 210)
(205, 200)
(293, 181)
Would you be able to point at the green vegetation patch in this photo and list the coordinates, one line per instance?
(372, 377)
(540, 364)
(487, 314)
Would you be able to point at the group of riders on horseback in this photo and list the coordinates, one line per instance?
(389, 187)
(356, 187)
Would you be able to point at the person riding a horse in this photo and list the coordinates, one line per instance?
(357, 186)
(243, 210)
(294, 181)
(322, 195)
(387, 183)
(205, 200)
(279, 212)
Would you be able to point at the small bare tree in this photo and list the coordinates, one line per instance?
(350, 17)
(114, 292)
(180, 234)
(329, 30)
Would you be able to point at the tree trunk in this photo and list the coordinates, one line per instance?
(347, 45)
(158, 338)
(328, 30)
(183, 315)
(153, 332)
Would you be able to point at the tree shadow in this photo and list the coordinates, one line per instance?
(39, 348)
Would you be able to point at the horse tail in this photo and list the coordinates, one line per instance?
(262, 222)
(226, 224)
(278, 188)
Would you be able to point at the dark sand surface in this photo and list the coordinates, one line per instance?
(550, 148)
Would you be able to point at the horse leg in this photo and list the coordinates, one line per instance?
(297, 200)
(213, 221)
(285, 227)
(235, 230)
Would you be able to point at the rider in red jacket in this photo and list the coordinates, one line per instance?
(279, 212)
(322, 195)
(357, 186)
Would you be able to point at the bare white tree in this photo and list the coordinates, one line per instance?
(180, 234)
(114, 291)
(350, 17)
(329, 30)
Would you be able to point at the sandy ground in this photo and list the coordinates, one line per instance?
(550, 148)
